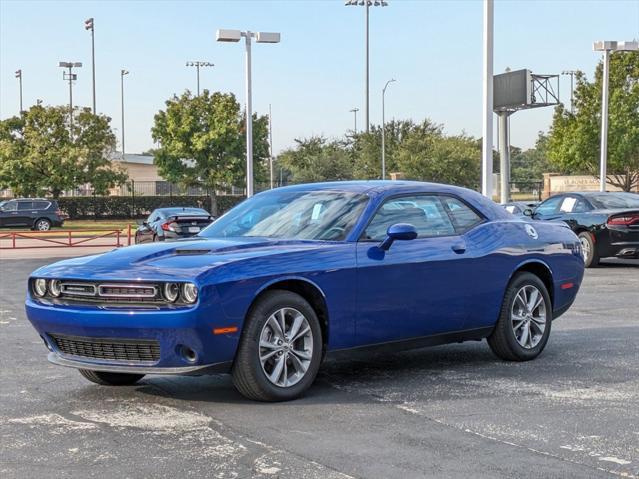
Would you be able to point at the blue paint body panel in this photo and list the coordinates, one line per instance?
(417, 288)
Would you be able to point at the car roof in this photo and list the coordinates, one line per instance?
(367, 186)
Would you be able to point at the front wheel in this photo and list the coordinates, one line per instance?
(110, 379)
(523, 328)
(280, 349)
(591, 258)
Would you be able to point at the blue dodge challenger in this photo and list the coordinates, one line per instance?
(293, 274)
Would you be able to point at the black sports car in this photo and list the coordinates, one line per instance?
(172, 223)
(607, 223)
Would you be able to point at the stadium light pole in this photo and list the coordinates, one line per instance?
(354, 111)
(366, 4)
(197, 66)
(260, 37)
(384, 128)
(70, 76)
(19, 77)
(608, 47)
(122, 73)
(487, 126)
(88, 25)
(572, 74)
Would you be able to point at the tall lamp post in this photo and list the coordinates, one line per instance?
(197, 66)
(354, 112)
(88, 25)
(260, 37)
(122, 73)
(270, 144)
(607, 47)
(70, 77)
(384, 128)
(487, 103)
(366, 4)
(572, 74)
(19, 77)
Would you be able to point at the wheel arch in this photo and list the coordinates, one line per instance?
(308, 290)
(542, 271)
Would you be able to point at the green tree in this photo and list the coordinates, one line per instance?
(317, 159)
(39, 156)
(530, 164)
(574, 139)
(203, 142)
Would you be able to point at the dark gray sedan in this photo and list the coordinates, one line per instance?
(172, 223)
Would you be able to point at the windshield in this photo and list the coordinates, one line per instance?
(614, 200)
(310, 215)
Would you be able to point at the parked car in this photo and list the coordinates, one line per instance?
(295, 273)
(607, 223)
(172, 223)
(517, 208)
(35, 213)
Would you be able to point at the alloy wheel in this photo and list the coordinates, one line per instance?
(528, 316)
(585, 248)
(286, 347)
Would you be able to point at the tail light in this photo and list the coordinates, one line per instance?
(169, 226)
(624, 220)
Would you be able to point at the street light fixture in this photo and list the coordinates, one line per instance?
(366, 4)
(354, 112)
(122, 73)
(19, 77)
(70, 77)
(384, 128)
(260, 37)
(607, 47)
(197, 66)
(88, 25)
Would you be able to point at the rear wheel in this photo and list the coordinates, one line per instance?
(280, 350)
(42, 224)
(589, 250)
(111, 379)
(523, 328)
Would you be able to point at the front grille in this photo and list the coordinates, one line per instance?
(127, 291)
(111, 292)
(109, 349)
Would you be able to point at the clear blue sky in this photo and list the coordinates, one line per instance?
(312, 78)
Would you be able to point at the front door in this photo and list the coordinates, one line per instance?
(417, 287)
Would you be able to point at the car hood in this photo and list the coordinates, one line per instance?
(174, 260)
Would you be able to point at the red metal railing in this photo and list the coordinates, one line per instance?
(66, 238)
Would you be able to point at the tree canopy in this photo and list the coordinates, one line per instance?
(40, 155)
(574, 138)
(203, 141)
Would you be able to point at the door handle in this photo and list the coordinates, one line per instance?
(459, 248)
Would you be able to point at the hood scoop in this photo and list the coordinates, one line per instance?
(191, 252)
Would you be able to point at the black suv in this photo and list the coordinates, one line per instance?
(36, 213)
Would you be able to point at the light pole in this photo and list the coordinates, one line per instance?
(572, 74)
(384, 128)
(270, 144)
(19, 77)
(366, 4)
(197, 66)
(88, 25)
(122, 73)
(354, 112)
(607, 47)
(260, 37)
(70, 77)
(487, 116)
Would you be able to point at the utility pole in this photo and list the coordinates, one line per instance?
(487, 117)
(71, 77)
(270, 143)
(19, 77)
(88, 25)
(384, 128)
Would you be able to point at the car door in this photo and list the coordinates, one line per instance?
(8, 212)
(548, 210)
(571, 210)
(416, 287)
(14, 213)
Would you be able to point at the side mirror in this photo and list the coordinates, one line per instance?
(528, 212)
(399, 231)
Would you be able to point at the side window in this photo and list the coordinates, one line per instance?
(10, 206)
(40, 205)
(425, 213)
(463, 216)
(25, 205)
(549, 206)
(153, 217)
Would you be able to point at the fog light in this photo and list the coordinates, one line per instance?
(40, 287)
(55, 287)
(189, 293)
(171, 292)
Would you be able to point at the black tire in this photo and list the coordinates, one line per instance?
(111, 379)
(248, 376)
(590, 260)
(503, 340)
(42, 224)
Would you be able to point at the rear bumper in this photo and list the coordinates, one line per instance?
(620, 242)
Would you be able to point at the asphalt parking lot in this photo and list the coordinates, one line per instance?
(450, 411)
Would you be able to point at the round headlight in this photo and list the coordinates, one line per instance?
(171, 292)
(40, 287)
(189, 293)
(55, 287)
